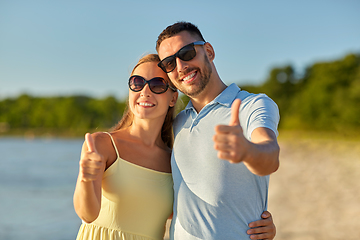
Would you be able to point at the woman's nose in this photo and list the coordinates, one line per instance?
(146, 90)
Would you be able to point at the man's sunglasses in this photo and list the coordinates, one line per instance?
(157, 85)
(185, 53)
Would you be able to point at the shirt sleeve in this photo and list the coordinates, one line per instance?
(259, 111)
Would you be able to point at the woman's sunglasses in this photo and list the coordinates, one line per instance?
(157, 85)
(185, 53)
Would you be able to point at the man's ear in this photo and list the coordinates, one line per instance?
(209, 51)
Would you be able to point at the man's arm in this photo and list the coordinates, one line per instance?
(264, 158)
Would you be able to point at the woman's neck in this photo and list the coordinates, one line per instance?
(147, 131)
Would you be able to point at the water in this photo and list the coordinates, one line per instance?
(37, 182)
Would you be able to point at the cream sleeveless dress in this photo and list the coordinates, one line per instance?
(135, 203)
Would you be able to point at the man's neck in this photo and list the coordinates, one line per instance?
(212, 90)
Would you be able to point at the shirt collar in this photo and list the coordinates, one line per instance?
(225, 98)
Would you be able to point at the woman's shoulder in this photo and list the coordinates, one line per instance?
(103, 144)
(108, 136)
(100, 137)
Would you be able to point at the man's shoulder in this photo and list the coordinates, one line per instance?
(248, 99)
(248, 96)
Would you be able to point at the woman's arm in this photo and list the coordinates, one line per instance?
(264, 228)
(87, 195)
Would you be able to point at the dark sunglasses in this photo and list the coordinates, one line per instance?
(157, 85)
(185, 53)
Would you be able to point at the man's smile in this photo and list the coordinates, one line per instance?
(190, 77)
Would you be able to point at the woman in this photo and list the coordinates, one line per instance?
(132, 198)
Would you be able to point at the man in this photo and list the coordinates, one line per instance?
(223, 151)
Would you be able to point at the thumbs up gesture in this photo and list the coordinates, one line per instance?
(229, 140)
(92, 164)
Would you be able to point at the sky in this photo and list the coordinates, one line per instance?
(87, 47)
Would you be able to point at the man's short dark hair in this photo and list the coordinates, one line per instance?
(177, 28)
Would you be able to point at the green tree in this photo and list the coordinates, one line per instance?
(326, 97)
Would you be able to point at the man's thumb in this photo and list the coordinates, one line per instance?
(90, 142)
(235, 108)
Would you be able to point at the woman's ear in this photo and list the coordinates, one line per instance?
(209, 51)
(173, 99)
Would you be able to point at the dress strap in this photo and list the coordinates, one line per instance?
(113, 142)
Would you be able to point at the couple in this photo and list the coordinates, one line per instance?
(216, 185)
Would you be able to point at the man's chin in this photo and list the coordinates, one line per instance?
(193, 93)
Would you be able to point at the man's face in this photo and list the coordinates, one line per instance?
(190, 77)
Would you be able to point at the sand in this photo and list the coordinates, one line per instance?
(315, 194)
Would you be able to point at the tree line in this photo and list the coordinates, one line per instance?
(71, 115)
(325, 97)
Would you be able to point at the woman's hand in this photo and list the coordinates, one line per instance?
(87, 195)
(91, 163)
(262, 229)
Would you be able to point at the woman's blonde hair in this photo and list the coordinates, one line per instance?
(128, 117)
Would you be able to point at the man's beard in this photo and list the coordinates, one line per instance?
(202, 83)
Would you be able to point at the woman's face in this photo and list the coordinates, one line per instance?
(148, 105)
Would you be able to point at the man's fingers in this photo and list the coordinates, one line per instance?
(224, 155)
(262, 233)
(266, 214)
(223, 138)
(228, 156)
(228, 129)
(263, 236)
(222, 146)
(90, 142)
(260, 223)
(235, 108)
(259, 230)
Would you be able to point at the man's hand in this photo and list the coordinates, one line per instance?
(260, 156)
(262, 229)
(91, 163)
(229, 139)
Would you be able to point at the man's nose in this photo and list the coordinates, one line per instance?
(181, 65)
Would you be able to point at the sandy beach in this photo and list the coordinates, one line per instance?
(315, 194)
